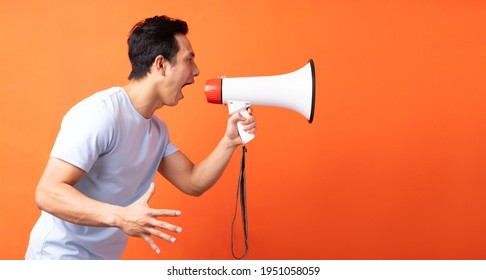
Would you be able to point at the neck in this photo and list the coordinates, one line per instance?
(143, 97)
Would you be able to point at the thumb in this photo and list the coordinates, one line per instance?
(236, 117)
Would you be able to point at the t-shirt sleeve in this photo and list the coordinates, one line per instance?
(84, 135)
(170, 149)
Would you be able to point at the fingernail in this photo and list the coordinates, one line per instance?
(157, 251)
(172, 239)
(178, 213)
(179, 230)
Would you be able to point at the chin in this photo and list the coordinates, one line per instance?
(172, 104)
(175, 102)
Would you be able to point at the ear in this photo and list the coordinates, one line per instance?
(160, 64)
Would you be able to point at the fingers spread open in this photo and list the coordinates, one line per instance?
(162, 235)
(165, 213)
(151, 243)
(167, 226)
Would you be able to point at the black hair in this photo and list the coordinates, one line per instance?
(152, 37)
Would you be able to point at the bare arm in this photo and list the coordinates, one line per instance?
(55, 194)
(195, 179)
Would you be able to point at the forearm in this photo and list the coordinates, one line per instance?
(208, 171)
(195, 179)
(67, 203)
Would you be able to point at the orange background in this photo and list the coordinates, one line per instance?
(393, 167)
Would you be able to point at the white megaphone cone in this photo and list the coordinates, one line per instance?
(295, 91)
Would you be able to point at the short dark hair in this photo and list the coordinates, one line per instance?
(152, 37)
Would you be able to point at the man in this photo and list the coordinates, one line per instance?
(95, 189)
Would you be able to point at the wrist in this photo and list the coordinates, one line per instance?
(229, 143)
(112, 215)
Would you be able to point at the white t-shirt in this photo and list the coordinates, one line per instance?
(120, 151)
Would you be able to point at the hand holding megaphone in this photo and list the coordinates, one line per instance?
(240, 107)
(294, 91)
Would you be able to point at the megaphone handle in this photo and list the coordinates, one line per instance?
(245, 136)
(240, 106)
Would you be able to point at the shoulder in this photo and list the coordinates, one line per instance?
(91, 120)
(87, 130)
(96, 110)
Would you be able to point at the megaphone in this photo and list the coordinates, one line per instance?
(295, 91)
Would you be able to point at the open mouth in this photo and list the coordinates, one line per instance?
(180, 92)
(188, 83)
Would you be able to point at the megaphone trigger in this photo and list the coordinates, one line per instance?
(240, 107)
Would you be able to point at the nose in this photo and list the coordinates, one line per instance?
(195, 71)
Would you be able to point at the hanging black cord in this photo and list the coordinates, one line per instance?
(241, 192)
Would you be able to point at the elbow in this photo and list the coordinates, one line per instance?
(195, 189)
(41, 198)
(195, 192)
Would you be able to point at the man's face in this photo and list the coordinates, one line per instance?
(181, 73)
